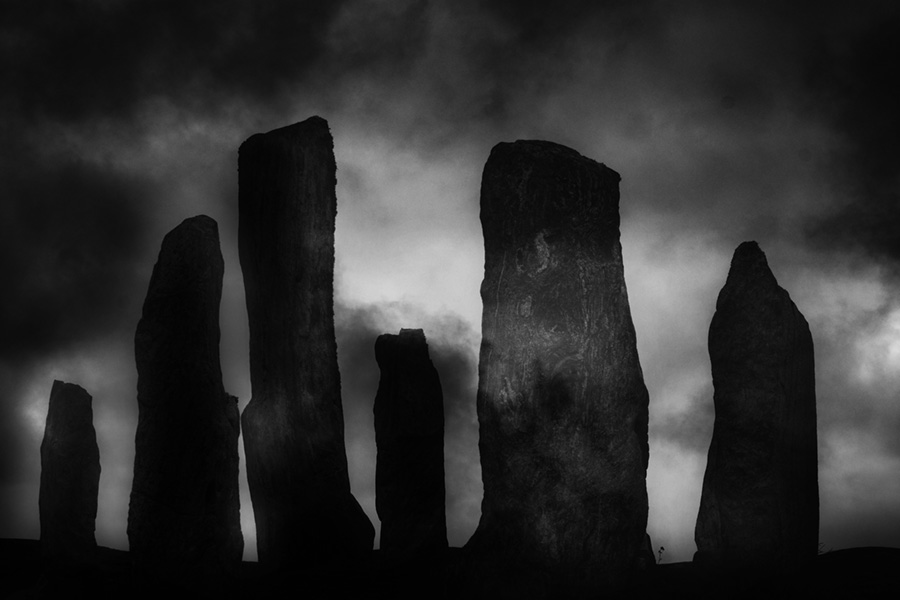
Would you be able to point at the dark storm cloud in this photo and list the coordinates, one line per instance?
(824, 61)
(853, 85)
(535, 25)
(69, 234)
(67, 238)
(526, 50)
(77, 59)
(387, 37)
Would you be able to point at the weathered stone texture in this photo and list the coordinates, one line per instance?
(293, 426)
(562, 405)
(70, 476)
(760, 499)
(184, 517)
(409, 433)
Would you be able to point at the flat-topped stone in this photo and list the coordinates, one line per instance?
(562, 405)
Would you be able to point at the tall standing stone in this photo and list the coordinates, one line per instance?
(70, 476)
(409, 433)
(294, 424)
(760, 498)
(184, 518)
(562, 405)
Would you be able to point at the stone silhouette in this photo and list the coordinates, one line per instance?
(562, 405)
(760, 498)
(409, 433)
(294, 426)
(184, 518)
(70, 477)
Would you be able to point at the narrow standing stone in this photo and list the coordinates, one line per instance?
(409, 433)
(562, 405)
(760, 498)
(294, 425)
(184, 518)
(70, 477)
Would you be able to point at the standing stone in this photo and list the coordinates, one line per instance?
(760, 498)
(305, 514)
(562, 405)
(409, 433)
(184, 518)
(70, 477)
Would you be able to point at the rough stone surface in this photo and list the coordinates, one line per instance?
(184, 517)
(562, 405)
(760, 498)
(70, 476)
(294, 425)
(409, 433)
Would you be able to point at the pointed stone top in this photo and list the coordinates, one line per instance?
(749, 258)
(749, 269)
(313, 130)
(759, 502)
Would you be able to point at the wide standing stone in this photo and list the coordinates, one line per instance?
(70, 476)
(294, 424)
(562, 405)
(409, 433)
(760, 498)
(184, 517)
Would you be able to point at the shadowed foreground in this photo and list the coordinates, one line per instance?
(852, 573)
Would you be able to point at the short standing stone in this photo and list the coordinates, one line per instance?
(562, 405)
(305, 515)
(184, 517)
(70, 476)
(760, 498)
(409, 433)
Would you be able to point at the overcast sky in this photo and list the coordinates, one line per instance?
(770, 121)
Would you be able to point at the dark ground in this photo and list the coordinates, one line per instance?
(870, 572)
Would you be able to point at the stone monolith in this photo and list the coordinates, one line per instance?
(409, 434)
(760, 500)
(184, 518)
(70, 477)
(293, 426)
(562, 405)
